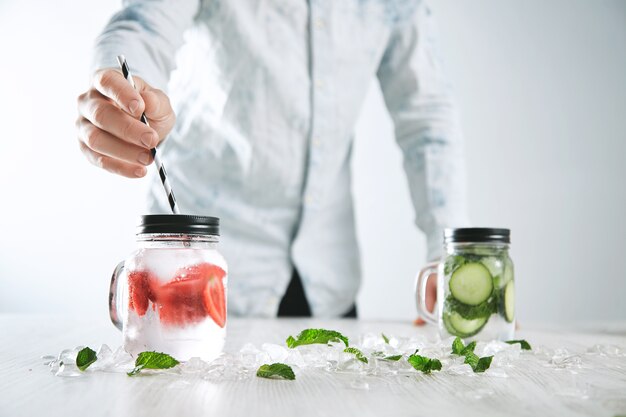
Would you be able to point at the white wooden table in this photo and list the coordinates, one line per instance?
(28, 388)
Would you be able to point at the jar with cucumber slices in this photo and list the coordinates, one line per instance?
(478, 284)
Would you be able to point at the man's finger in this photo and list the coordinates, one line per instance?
(112, 84)
(106, 144)
(112, 165)
(104, 115)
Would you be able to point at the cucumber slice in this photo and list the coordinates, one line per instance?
(447, 325)
(458, 326)
(471, 284)
(509, 302)
(493, 264)
(508, 272)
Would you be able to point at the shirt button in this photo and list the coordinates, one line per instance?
(317, 142)
(319, 23)
(319, 84)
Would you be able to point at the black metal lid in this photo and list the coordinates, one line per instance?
(179, 223)
(477, 234)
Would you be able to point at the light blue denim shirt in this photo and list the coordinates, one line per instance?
(267, 94)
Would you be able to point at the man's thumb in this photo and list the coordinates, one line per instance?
(158, 106)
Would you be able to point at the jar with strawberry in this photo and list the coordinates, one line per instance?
(169, 295)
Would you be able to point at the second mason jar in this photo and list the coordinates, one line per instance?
(475, 285)
(169, 295)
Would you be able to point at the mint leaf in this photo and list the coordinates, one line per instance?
(472, 359)
(310, 336)
(356, 352)
(378, 354)
(478, 364)
(424, 364)
(153, 360)
(385, 338)
(523, 343)
(483, 364)
(457, 346)
(452, 263)
(469, 348)
(468, 312)
(85, 357)
(276, 370)
(291, 342)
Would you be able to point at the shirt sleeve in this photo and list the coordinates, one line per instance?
(418, 98)
(148, 33)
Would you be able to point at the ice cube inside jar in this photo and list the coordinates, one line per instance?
(184, 316)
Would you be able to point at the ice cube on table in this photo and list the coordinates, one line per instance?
(493, 347)
(277, 353)
(563, 359)
(194, 365)
(65, 364)
(606, 350)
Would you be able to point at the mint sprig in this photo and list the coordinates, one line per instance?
(469, 348)
(311, 336)
(424, 364)
(85, 357)
(356, 352)
(276, 371)
(476, 363)
(459, 348)
(153, 360)
(453, 263)
(523, 343)
(468, 312)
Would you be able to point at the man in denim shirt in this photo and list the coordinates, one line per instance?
(267, 94)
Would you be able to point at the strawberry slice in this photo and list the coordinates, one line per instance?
(182, 301)
(215, 300)
(214, 297)
(138, 291)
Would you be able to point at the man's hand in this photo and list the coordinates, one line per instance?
(110, 133)
(431, 297)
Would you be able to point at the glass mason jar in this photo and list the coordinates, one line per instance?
(169, 295)
(475, 285)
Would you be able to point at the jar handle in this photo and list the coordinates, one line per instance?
(420, 292)
(114, 296)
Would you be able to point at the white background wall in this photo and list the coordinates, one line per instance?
(541, 87)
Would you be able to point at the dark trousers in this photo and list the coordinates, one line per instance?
(295, 304)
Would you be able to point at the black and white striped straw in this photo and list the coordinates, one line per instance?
(168, 189)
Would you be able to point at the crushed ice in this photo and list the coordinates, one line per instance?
(242, 364)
